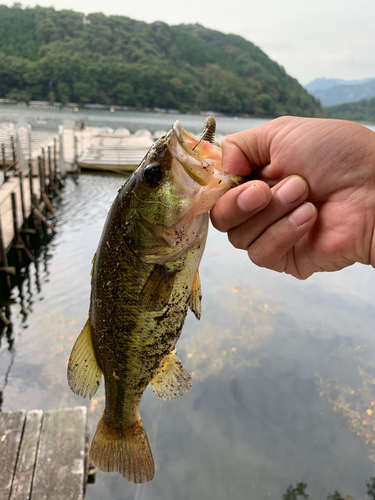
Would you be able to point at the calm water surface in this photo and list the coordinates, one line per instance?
(284, 371)
(132, 120)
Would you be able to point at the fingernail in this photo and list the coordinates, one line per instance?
(302, 214)
(292, 190)
(252, 198)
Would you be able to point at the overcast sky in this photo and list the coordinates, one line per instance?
(310, 38)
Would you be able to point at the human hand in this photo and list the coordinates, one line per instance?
(312, 206)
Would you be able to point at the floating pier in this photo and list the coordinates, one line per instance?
(43, 455)
(115, 150)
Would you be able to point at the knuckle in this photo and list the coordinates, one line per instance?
(219, 219)
(267, 256)
(258, 258)
(236, 239)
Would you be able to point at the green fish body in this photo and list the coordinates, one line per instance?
(145, 276)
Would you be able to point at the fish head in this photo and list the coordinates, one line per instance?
(180, 178)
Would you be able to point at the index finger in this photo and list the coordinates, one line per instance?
(239, 204)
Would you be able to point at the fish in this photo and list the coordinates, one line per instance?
(145, 277)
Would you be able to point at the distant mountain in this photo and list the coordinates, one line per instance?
(345, 93)
(327, 83)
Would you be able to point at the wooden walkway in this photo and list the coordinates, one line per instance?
(43, 456)
(26, 188)
(13, 185)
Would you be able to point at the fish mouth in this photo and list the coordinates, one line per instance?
(196, 169)
(195, 165)
(200, 159)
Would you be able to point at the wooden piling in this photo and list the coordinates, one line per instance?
(54, 158)
(4, 162)
(39, 214)
(4, 319)
(49, 205)
(50, 175)
(13, 150)
(16, 232)
(31, 181)
(4, 261)
(41, 176)
(44, 170)
(24, 219)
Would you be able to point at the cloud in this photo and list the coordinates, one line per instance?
(342, 56)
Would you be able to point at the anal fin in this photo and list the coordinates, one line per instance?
(84, 373)
(196, 296)
(173, 380)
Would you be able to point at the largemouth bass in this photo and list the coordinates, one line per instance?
(145, 276)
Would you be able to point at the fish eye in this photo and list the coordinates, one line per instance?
(153, 174)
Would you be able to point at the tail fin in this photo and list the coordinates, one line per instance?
(126, 451)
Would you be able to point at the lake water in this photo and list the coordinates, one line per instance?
(284, 371)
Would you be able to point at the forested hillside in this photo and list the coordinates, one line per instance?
(362, 111)
(64, 56)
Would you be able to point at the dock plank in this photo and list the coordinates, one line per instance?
(23, 476)
(60, 471)
(11, 427)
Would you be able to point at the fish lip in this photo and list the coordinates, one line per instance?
(177, 131)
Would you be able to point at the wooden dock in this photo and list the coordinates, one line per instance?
(43, 456)
(25, 189)
(20, 187)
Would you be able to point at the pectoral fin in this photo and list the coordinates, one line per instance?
(157, 289)
(84, 373)
(196, 296)
(173, 380)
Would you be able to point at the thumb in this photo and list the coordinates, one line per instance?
(246, 150)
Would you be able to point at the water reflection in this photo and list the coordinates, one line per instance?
(274, 362)
(17, 303)
(300, 492)
(246, 318)
(7, 338)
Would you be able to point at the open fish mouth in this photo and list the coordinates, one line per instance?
(200, 159)
(201, 163)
